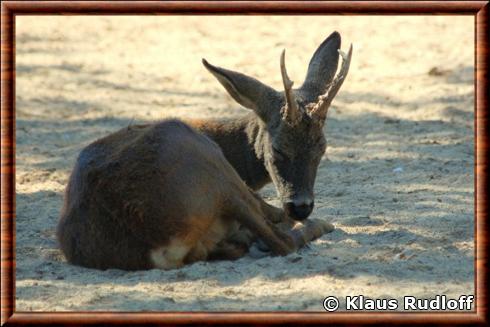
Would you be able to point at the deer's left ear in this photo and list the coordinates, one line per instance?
(245, 90)
(322, 67)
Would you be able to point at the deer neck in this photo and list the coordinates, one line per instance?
(241, 141)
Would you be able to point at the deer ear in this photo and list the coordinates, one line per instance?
(246, 90)
(322, 67)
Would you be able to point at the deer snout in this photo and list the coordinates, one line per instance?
(299, 210)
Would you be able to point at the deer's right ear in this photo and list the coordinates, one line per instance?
(246, 90)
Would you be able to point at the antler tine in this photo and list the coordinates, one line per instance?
(292, 109)
(324, 101)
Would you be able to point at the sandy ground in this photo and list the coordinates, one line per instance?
(396, 179)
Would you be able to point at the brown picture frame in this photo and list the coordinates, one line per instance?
(11, 9)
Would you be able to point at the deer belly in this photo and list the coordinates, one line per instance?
(194, 246)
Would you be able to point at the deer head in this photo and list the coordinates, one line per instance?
(291, 140)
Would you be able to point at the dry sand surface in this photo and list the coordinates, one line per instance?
(396, 179)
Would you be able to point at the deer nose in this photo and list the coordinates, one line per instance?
(299, 211)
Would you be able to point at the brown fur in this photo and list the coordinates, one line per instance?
(166, 194)
(144, 187)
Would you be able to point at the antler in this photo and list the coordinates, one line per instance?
(291, 111)
(320, 109)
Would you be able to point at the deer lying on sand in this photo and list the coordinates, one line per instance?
(172, 193)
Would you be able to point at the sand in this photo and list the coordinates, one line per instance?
(396, 180)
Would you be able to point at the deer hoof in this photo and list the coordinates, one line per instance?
(256, 251)
(320, 227)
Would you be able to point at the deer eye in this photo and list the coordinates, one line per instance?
(278, 154)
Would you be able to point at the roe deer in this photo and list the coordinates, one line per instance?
(167, 194)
